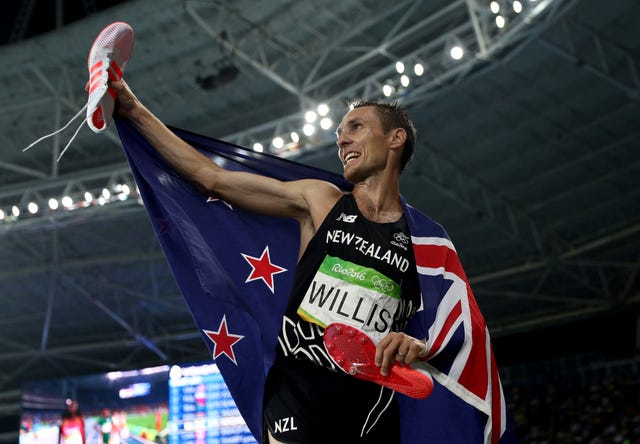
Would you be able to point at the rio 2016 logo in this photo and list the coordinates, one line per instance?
(350, 272)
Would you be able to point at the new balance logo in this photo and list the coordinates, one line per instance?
(350, 218)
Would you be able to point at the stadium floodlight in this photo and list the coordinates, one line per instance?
(517, 7)
(323, 109)
(278, 142)
(308, 129)
(326, 123)
(310, 116)
(456, 52)
(387, 90)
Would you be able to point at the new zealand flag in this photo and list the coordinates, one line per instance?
(235, 270)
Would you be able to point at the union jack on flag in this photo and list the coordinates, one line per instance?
(235, 270)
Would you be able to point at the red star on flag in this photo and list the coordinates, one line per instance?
(263, 268)
(223, 341)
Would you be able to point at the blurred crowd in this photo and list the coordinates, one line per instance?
(595, 409)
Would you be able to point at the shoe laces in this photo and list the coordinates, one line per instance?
(59, 131)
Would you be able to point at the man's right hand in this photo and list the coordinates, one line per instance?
(127, 104)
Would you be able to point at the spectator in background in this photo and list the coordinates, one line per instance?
(124, 428)
(104, 425)
(72, 424)
(115, 428)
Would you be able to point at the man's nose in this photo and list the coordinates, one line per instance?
(343, 141)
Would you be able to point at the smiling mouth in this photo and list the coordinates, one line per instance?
(349, 157)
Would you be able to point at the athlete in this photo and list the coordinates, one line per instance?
(72, 424)
(343, 236)
(104, 425)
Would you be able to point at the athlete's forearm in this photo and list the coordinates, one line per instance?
(183, 158)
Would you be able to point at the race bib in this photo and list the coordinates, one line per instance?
(342, 291)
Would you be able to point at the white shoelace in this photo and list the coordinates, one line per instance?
(60, 130)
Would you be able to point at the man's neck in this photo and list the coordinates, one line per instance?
(378, 201)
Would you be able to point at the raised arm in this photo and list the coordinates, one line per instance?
(307, 201)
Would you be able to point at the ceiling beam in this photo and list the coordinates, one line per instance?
(537, 321)
(607, 55)
(237, 52)
(118, 319)
(21, 23)
(385, 46)
(52, 293)
(30, 172)
(338, 40)
(99, 346)
(570, 253)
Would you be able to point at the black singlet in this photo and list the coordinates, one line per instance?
(308, 399)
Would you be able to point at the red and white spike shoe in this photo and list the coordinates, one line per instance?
(108, 57)
(354, 352)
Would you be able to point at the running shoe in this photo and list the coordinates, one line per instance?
(108, 57)
(354, 352)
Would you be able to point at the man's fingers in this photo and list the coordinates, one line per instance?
(380, 349)
(398, 348)
(386, 351)
(416, 349)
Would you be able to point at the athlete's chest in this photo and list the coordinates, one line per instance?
(348, 234)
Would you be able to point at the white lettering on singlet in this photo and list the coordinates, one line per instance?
(285, 425)
(369, 249)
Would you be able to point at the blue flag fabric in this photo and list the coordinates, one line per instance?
(236, 269)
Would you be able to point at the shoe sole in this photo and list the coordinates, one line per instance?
(354, 352)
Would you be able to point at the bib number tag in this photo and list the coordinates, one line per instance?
(344, 292)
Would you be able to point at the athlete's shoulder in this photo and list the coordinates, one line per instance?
(320, 192)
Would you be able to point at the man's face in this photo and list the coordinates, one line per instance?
(362, 144)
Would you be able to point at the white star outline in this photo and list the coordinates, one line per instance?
(215, 199)
(276, 268)
(236, 338)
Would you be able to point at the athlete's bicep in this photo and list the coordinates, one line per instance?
(272, 197)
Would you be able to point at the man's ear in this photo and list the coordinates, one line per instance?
(398, 138)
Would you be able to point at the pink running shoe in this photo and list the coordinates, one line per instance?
(107, 59)
(354, 351)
